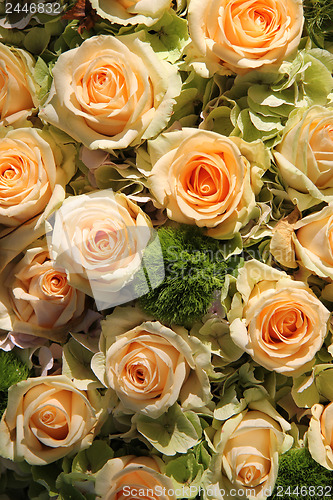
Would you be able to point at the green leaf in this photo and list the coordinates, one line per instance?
(168, 36)
(76, 365)
(41, 71)
(36, 40)
(218, 120)
(201, 454)
(304, 391)
(195, 421)
(46, 475)
(43, 77)
(186, 473)
(171, 433)
(93, 458)
(229, 405)
(11, 37)
(318, 81)
(324, 383)
(264, 123)
(66, 486)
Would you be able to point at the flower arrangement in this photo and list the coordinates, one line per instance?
(166, 249)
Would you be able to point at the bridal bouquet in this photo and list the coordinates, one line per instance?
(166, 249)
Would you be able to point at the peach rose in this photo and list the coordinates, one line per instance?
(320, 435)
(131, 11)
(151, 366)
(47, 418)
(133, 477)
(248, 446)
(36, 297)
(206, 179)
(242, 36)
(305, 156)
(99, 238)
(121, 96)
(17, 88)
(281, 323)
(34, 170)
(313, 242)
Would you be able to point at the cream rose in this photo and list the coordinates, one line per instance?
(18, 90)
(34, 171)
(131, 11)
(241, 36)
(47, 418)
(134, 477)
(36, 297)
(305, 156)
(320, 435)
(151, 366)
(247, 453)
(313, 242)
(207, 179)
(99, 239)
(111, 92)
(278, 321)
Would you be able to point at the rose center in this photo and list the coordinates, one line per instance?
(17, 171)
(138, 374)
(105, 83)
(9, 173)
(101, 243)
(201, 182)
(52, 421)
(285, 323)
(54, 282)
(102, 240)
(250, 474)
(47, 417)
(261, 19)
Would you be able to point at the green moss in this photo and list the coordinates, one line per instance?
(296, 469)
(12, 370)
(194, 269)
(319, 20)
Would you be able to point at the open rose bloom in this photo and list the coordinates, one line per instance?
(151, 366)
(99, 239)
(114, 100)
(241, 36)
(48, 418)
(247, 453)
(305, 156)
(281, 323)
(37, 298)
(207, 179)
(18, 95)
(33, 173)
